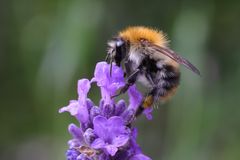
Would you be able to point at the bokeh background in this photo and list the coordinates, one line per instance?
(47, 45)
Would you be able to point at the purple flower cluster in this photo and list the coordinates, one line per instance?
(105, 131)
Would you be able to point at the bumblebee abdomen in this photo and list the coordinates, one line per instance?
(169, 78)
(166, 81)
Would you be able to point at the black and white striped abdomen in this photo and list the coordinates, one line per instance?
(166, 79)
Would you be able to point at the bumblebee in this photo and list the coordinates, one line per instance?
(145, 56)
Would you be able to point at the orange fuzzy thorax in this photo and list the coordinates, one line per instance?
(135, 34)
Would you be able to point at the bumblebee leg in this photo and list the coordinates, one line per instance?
(107, 57)
(130, 81)
(149, 77)
(147, 101)
(127, 65)
(127, 69)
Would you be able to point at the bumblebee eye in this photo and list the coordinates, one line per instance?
(119, 42)
(116, 51)
(120, 51)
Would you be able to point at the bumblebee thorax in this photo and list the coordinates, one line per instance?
(135, 34)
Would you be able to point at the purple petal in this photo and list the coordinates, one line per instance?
(83, 157)
(140, 157)
(135, 100)
(89, 136)
(109, 129)
(95, 111)
(106, 95)
(74, 143)
(72, 108)
(98, 144)
(83, 89)
(111, 149)
(104, 156)
(134, 133)
(120, 107)
(83, 114)
(72, 154)
(103, 78)
(108, 84)
(120, 141)
(116, 121)
(135, 97)
(101, 104)
(108, 110)
(116, 126)
(101, 75)
(89, 104)
(123, 154)
(128, 115)
(133, 142)
(100, 126)
(79, 108)
(75, 131)
(148, 113)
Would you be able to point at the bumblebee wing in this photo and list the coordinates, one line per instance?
(173, 55)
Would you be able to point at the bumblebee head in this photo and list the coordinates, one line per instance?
(132, 37)
(117, 50)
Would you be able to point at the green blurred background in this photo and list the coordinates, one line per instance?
(47, 45)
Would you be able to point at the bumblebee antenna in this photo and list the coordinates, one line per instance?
(107, 57)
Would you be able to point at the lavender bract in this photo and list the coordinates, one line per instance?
(104, 131)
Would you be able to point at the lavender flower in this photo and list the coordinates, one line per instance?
(112, 134)
(104, 132)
